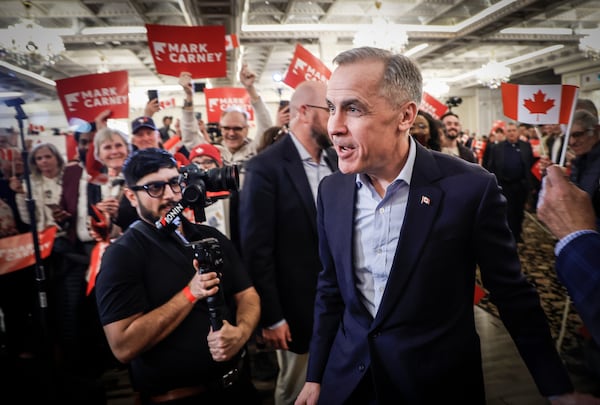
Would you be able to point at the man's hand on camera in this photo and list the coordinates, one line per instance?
(226, 342)
(204, 285)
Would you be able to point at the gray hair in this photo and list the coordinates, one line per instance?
(585, 118)
(402, 80)
(238, 109)
(53, 149)
(107, 134)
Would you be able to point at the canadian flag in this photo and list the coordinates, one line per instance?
(231, 42)
(36, 129)
(168, 103)
(539, 104)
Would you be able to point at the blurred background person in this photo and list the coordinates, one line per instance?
(426, 130)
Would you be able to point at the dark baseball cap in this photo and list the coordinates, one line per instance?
(140, 122)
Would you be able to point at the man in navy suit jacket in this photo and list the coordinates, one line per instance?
(511, 162)
(278, 229)
(401, 231)
(568, 212)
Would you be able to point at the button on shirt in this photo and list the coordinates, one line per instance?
(315, 172)
(377, 225)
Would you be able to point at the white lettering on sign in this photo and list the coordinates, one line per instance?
(21, 252)
(226, 102)
(312, 74)
(192, 53)
(104, 96)
(299, 65)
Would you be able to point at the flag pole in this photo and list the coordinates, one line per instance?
(539, 134)
(563, 154)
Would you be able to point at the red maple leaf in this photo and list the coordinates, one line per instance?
(539, 104)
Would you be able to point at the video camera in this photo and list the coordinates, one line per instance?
(201, 188)
(453, 101)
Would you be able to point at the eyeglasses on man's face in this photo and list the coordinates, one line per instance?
(234, 129)
(317, 106)
(156, 189)
(579, 134)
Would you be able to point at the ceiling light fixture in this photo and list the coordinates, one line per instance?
(493, 74)
(27, 42)
(381, 33)
(436, 87)
(590, 44)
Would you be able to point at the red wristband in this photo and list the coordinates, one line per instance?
(188, 294)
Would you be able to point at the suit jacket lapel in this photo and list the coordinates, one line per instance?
(424, 200)
(339, 221)
(294, 167)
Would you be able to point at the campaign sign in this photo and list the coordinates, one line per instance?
(16, 252)
(305, 66)
(433, 106)
(222, 98)
(84, 97)
(197, 50)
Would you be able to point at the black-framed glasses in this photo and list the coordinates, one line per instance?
(579, 134)
(234, 129)
(317, 106)
(156, 189)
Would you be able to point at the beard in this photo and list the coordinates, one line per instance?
(150, 216)
(451, 135)
(320, 135)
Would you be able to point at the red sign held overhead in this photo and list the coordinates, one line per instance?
(198, 50)
(433, 106)
(220, 99)
(305, 66)
(86, 96)
(231, 42)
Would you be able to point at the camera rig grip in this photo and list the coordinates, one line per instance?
(208, 253)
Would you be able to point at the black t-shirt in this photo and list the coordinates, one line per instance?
(140, 273)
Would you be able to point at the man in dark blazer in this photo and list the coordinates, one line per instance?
(401, 231)
(511, 161)
(278, 229)
(568, 212)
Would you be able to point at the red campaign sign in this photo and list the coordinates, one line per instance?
(305, 66)
(231, 42)
(86, 96)
(197, 50)
(16, 252)
(433, 106)
(222, 98)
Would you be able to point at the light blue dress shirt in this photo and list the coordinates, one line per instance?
(377, 225)
(315, 172)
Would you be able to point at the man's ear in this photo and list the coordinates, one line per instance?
(409, 113)
(131, 196)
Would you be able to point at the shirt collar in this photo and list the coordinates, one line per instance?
(304, 155)
(406, 172)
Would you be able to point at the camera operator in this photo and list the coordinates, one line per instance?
(153, 302)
